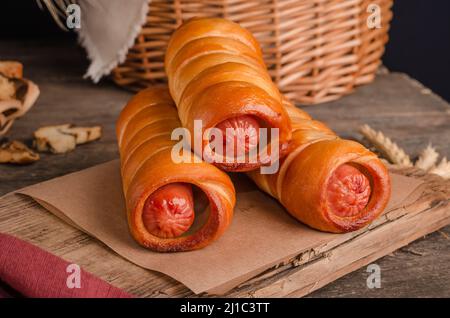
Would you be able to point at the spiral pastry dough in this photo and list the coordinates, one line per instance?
(326, 182)
(148, 174)
(216, 74)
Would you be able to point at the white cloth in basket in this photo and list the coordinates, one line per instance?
(108, 30)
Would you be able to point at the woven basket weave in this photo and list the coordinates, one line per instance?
(316, 50)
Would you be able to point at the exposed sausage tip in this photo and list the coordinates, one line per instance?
(240, 134)
(169, 211)
(348, 191)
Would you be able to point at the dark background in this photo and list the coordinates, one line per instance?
(419, 38)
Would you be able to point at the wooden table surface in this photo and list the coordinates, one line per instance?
(399, 106)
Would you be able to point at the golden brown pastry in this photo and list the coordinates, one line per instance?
(326, 182)
(159, 193)
(217, 75)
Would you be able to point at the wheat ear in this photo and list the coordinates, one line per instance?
(427, 158)
(442, 169)
(386, 146)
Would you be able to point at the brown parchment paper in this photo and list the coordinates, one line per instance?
(261, 235)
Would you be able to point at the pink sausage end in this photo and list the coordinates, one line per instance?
(169, 211)
(348, 191)
(246, 125)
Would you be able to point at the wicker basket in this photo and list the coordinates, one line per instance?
(316, 50)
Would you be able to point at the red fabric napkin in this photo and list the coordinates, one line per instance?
(32, 272)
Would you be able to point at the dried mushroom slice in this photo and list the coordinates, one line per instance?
(11, 69)
(15, 152)
(64, 138)
(7, 88)
(17, 96)
(19, 89)
(9, 109)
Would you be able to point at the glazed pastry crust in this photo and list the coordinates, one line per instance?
(315, 152)
(144, 136)
(216, 72)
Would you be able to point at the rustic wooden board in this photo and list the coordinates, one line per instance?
(299, 276)
(313, 269)
(394, 103)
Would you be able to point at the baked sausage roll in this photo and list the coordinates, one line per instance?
(216, 74)
(326, 182)
(161, 195)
